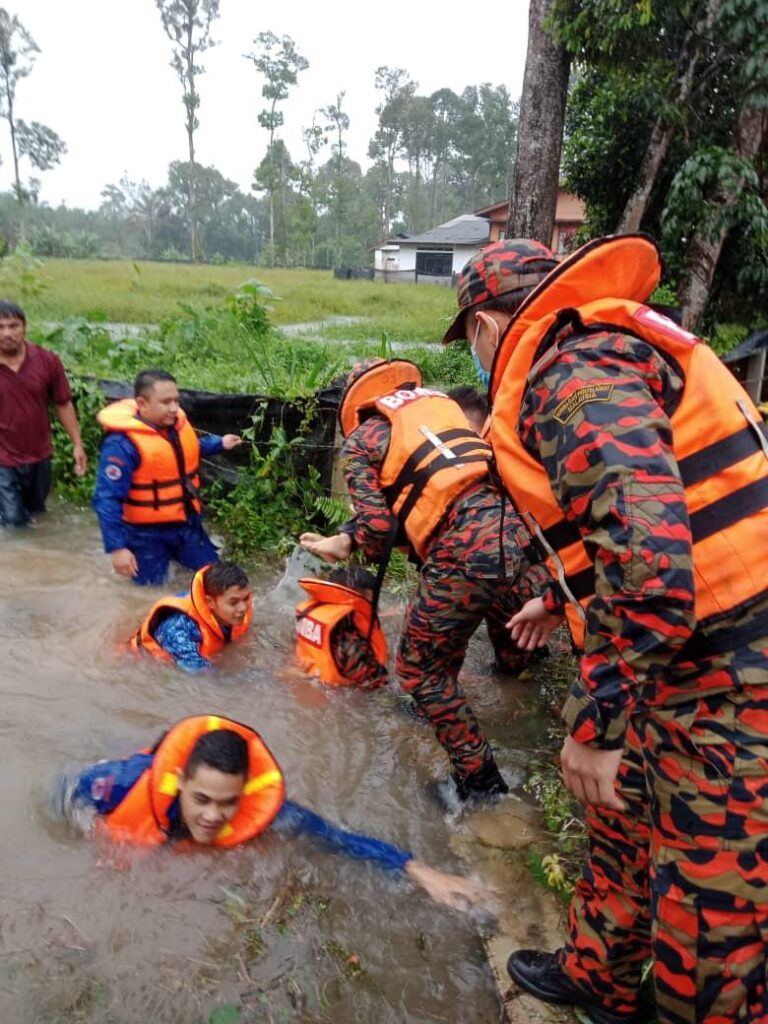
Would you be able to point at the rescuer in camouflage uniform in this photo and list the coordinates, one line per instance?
(678, 860)
(469, 575)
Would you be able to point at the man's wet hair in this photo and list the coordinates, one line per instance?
(354, 577)
(471, 400)
(223, 749)
(10, 311)
(220, 576)
(146, 380)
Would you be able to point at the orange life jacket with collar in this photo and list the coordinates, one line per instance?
(328, 605)
(194, 605)
(433, 455)
(718, 439)
(142, 817)
(164, 487)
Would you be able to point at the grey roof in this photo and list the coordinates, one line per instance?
(751, 344)
(464, 230)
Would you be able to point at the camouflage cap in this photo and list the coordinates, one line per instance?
(501, 267)
(363, 366)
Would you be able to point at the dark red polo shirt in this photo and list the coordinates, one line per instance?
(25, 428)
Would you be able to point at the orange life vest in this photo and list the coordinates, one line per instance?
(164, 487)
(194, 605)
(718, 439)
(316, 619)
(142, 817)
(433, 456)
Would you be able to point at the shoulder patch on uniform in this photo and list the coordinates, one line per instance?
(600, 391)
(113, 472)
(114, 458)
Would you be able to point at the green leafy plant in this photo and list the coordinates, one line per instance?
(274, 499)
(88, 399)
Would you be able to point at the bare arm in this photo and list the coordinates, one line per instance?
(68, 419)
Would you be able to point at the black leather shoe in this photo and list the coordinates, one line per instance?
(542, 976)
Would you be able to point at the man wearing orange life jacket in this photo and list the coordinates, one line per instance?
(192, 628)
(147, 490)
(338, 636)
(417, 474)
(645, 468)
(211, 781)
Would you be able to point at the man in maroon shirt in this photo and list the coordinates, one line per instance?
(31, 379)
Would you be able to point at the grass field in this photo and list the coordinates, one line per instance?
(140, 293)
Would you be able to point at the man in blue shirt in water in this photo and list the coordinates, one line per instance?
(212, 781)
(191, 628)
(147, 496)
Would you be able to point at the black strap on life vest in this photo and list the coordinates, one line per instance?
(389, 546)
(695, 468)
(405, 476)
(186, 481)
(720, 455)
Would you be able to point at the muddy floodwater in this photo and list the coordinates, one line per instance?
(281, 930)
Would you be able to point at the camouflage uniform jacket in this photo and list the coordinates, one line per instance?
(471, 522)
(613, 472)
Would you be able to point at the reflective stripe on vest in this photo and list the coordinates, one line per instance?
(719, 443)
(165, 485)
(142, 816)
(433, 456)
(316, 619)
(193, 604)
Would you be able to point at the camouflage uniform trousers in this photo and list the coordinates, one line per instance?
(682, 875)
(449, 604)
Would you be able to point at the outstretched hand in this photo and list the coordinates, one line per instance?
(330, 549)
(533, 625)
(452, 891)
(230, 441)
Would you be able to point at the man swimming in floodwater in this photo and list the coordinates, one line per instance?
(191, 628)
(211, 781)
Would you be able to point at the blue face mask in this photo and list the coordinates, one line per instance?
(483, 375)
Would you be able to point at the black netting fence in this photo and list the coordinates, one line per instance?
(312, 420)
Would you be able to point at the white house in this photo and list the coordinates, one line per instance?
(433, 257)
(442, 251)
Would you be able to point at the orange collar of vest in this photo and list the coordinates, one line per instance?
(172, 755)
(617, 267)
(197, 596)
(122, 416)
(378, 380)
(326, 592)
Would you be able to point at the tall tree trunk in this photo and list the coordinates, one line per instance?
(16, 176)
(194, 240)
(190, 102)
(535, 179)
(705, 246)
(664, 128)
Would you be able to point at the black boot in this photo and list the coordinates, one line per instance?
(453, 791)
(484, 783)
(542, 975)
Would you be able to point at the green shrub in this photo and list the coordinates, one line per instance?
(88, 399)
(273, 501)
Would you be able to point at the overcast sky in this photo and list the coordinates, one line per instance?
(103, 81)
